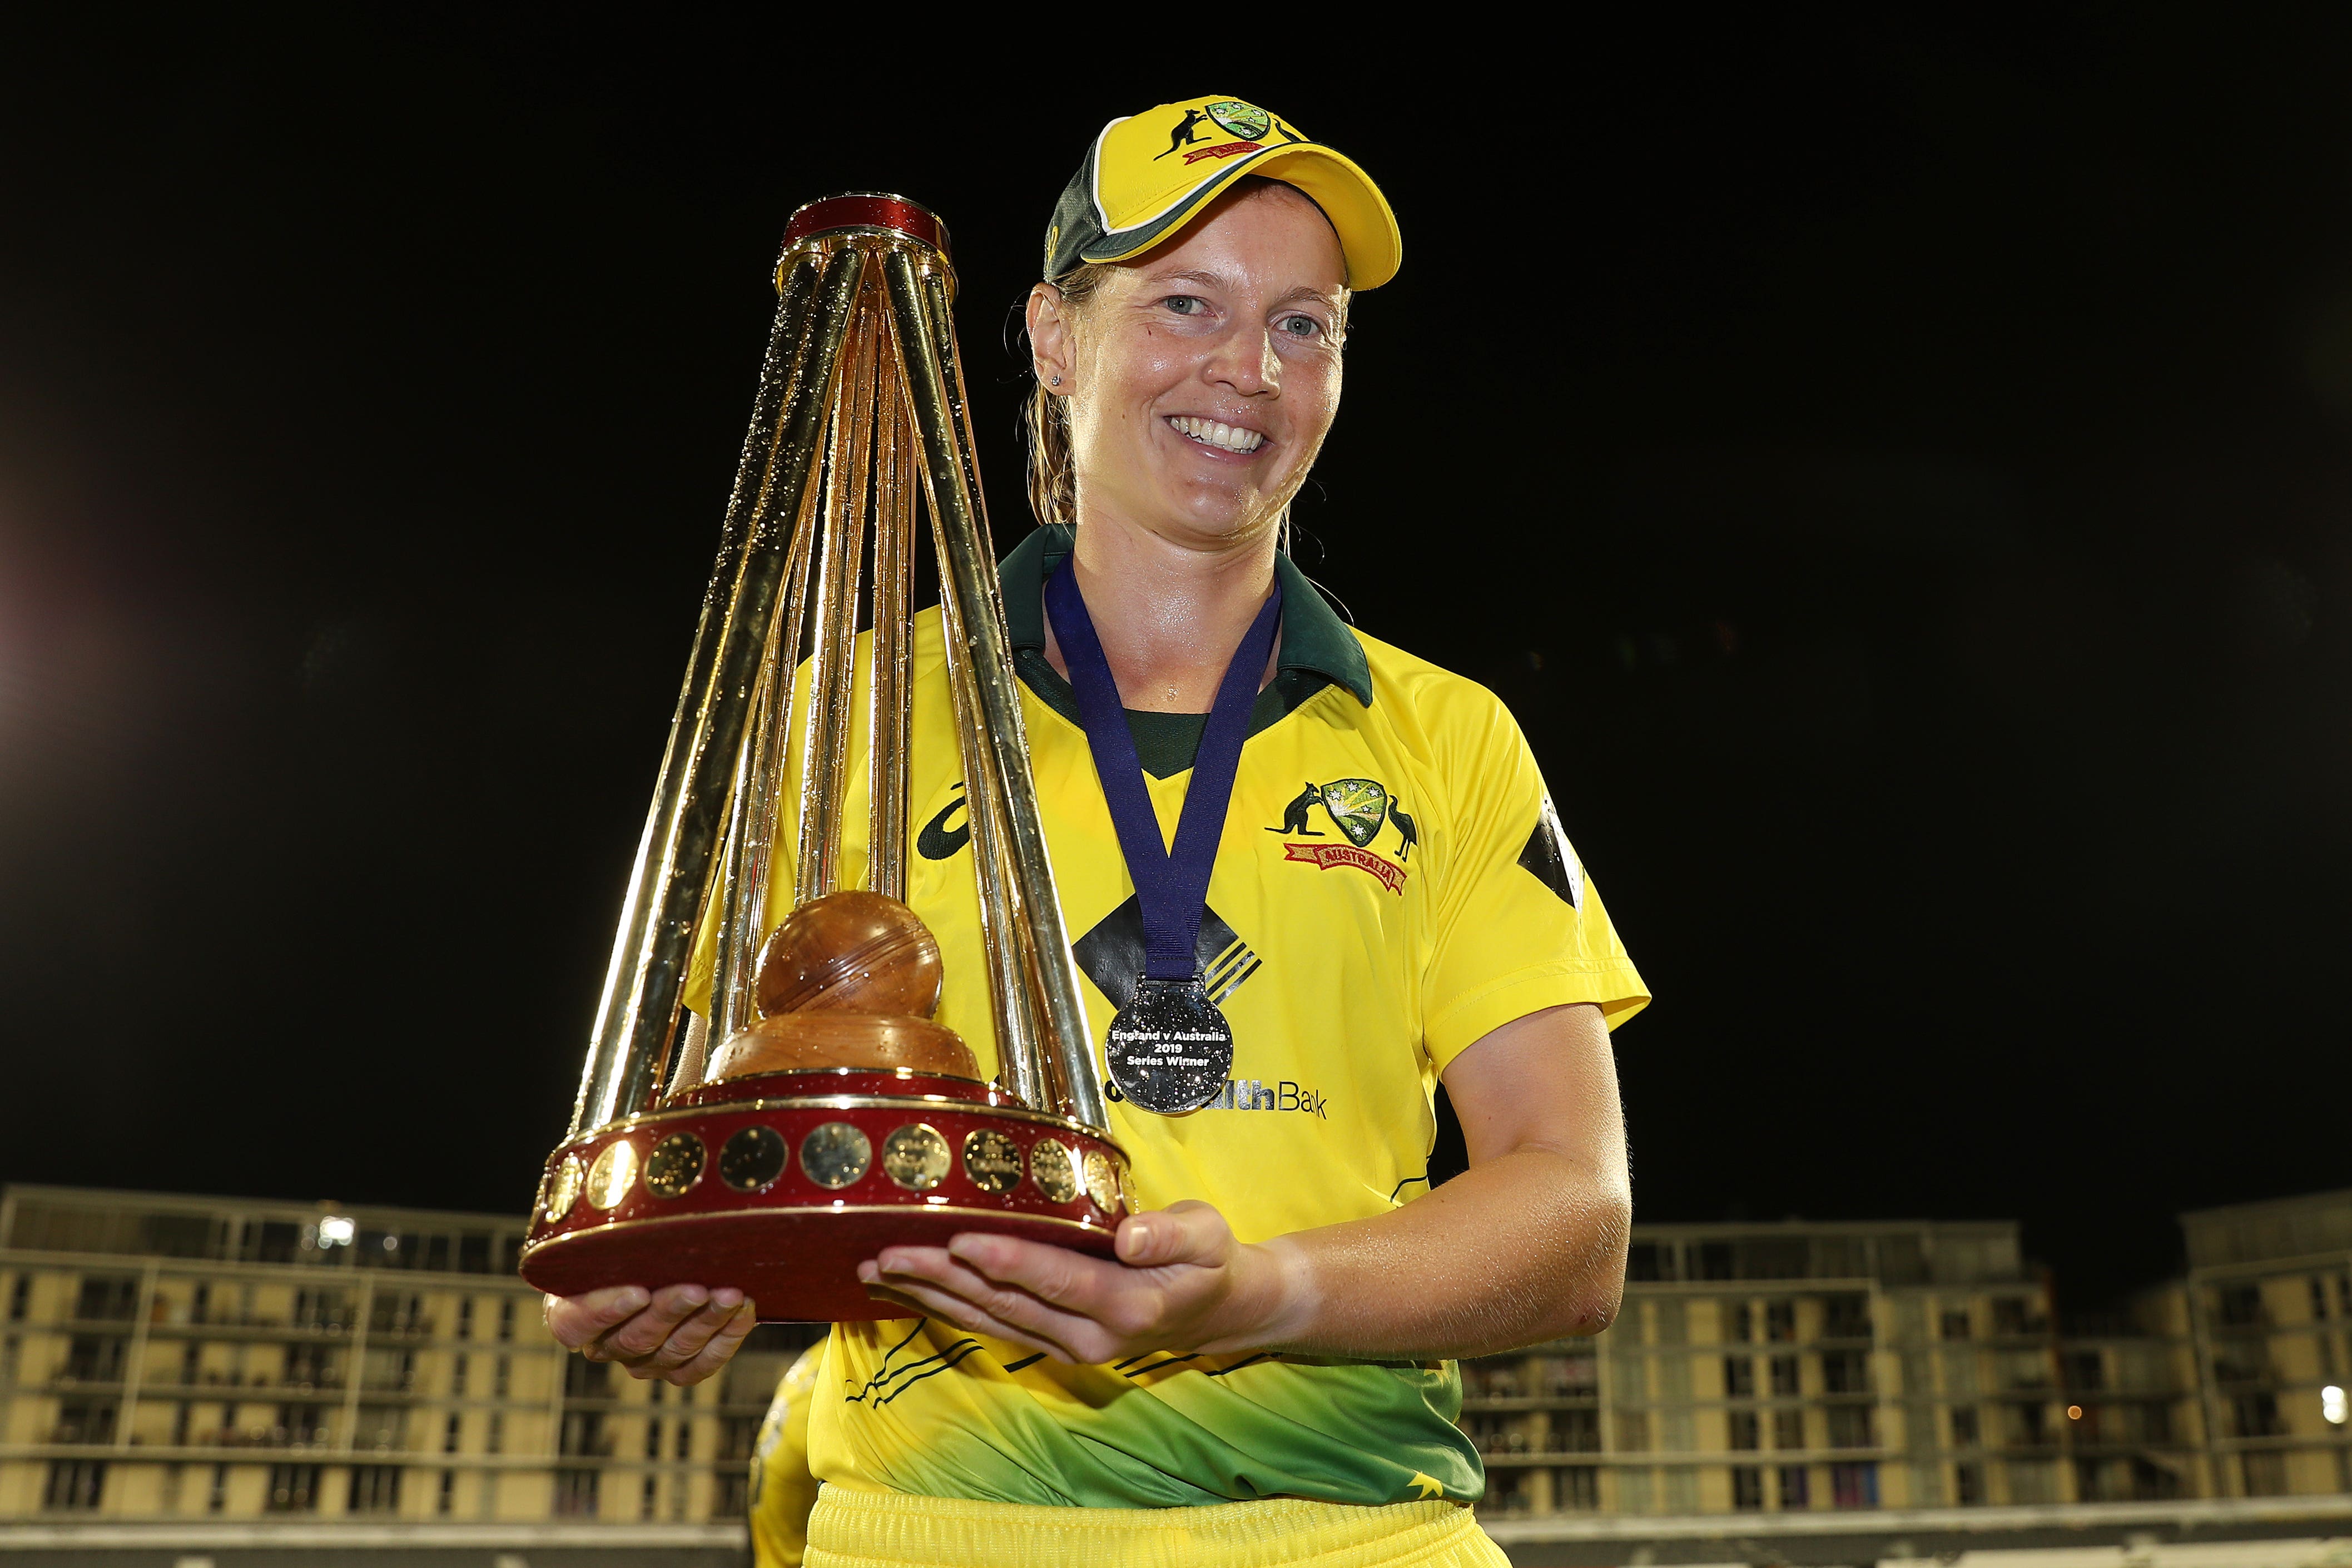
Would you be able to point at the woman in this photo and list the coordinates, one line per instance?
(1388, 900)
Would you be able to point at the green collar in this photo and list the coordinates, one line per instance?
(1314, 640)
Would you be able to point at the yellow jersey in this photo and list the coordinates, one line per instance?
(1392, 882)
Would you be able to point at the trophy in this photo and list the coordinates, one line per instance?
(819, 1112)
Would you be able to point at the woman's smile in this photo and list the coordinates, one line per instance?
(1218, 438)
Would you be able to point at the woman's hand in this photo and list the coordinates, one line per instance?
(681, 1334)
(1181, 1283)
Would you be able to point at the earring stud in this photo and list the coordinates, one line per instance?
(1057, 380)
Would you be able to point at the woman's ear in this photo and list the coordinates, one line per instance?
(1049, 339)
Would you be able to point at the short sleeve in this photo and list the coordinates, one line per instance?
(1518, 927)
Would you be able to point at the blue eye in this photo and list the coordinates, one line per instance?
(1185, 304)
(1301, 326)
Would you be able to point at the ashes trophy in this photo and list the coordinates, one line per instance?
(819, 1112)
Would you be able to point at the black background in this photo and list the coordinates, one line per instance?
(1900, 477)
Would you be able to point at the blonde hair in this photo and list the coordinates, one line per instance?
(1046, 418)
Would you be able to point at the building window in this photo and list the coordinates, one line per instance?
(2014, 1316)
(2084, 1372)
(2265, 1474)
(494, 1441)
(75, 1485)
(1967, 1484)
(447, 1501)
(646, 1497)
(2258, 1416)
(1573, 1432)
(293, 1488)
(1573, 1488)
(1648, 1260)
(1845, 1317)
(575, 1494)
(1956, 1324)
(653, 1439)
(217, 1499)
(504, 1376)
(1738, 1377)
(1780, 1321)
(1854, 1485)
(20, 1297)
(466, 1318)
(457, 1377)
(449, 1433)
(1788, 1430)
(1849, 1427)
(1746, 1487)
(1743, 1429)
(1845, 1372)
(84, 1421)
(108, 1301)
(684, 1440)
(1632, 1431)
(1964, 1427)
(375, 1488)
(2318, 1296)
(1743, 1323)
(1796, 1490)
(2239, 1306)
(1785, 1381)
(506, 1318)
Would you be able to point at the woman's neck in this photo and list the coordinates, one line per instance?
(1170, 613)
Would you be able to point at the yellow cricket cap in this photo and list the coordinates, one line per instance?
(1146, 175)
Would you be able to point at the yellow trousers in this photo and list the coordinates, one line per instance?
(893, 1530)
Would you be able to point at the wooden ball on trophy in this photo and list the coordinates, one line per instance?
(849, 980)
(851, 951)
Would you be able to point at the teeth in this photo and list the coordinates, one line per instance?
(1214, 433)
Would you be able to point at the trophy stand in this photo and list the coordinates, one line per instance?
(820, 1113)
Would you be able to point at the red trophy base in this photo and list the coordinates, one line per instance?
(781, 1183)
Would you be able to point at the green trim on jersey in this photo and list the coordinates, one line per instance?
(1318, 650)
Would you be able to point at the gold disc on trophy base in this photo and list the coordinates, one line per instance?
(751, 1160)
(675, 1165)
(610, 1177)
(1101, 1185)
(992, 1159)
(835, 1155)
(563, 1190)
(1055, 1172)
(916, 1157)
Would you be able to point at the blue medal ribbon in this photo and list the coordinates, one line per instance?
(1170, 884)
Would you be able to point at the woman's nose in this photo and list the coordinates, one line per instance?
(1248, 362)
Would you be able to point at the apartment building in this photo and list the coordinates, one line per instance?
(169, 1358)
(2269, 1303)
(174, 1358)
(1794, 1367)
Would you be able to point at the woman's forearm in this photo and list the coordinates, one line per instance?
(1526, 1247)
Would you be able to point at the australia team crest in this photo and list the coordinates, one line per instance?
(1361, 809)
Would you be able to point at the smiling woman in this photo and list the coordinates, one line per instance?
(1278, 988)
(1320, 322)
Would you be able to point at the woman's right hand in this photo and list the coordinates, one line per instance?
(681, 1334)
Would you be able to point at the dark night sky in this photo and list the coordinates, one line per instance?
(1902, 481)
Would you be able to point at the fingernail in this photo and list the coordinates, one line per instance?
(1142, 1237)
(867, 1273)
(633, 1300)
(728, 1297)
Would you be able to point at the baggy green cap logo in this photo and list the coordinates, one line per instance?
(1147, 174)
(1359, 806)
(1247, 121)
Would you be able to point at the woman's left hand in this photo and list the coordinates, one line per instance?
(1181, 1282)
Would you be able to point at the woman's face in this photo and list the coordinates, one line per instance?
(1204, 377)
